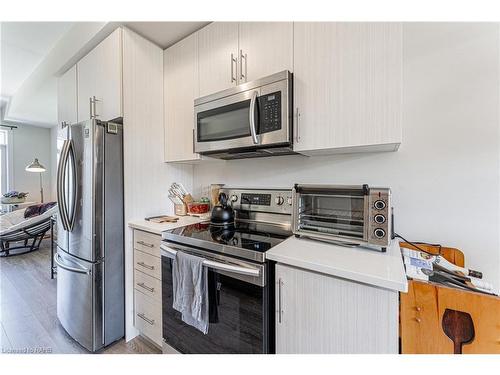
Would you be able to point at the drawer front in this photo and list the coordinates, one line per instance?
(147, 242)
(148, 285)
(147, 317)
(148, 264)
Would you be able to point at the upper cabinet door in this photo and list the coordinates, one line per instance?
(66, 97)
(100, 75)
(218, 55)
(347, 86)
(265, 48)
(180, 71)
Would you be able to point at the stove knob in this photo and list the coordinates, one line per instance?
(279, 200)
(379, 233)
(234, 198)
(289, 201)
(379, 205)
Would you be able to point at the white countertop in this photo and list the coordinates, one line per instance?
(157, 228)
(384, 270)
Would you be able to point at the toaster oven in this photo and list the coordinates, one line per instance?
(345, 214)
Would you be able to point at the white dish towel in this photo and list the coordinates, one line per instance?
(190, 292)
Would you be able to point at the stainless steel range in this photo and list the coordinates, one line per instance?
(240, 279)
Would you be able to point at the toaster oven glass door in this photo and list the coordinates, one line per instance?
(337, 215)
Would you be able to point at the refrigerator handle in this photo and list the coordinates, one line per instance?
(61, 196)
(58, 262)
(74, 179)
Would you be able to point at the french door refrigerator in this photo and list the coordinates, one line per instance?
(90, 247)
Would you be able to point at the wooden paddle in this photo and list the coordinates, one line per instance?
(459, 327)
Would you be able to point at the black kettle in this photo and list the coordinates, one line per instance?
(222, 214)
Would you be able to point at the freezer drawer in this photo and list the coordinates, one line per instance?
(79, 299)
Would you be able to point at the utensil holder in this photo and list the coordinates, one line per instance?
(180, 209)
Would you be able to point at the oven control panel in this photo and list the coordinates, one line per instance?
(270, 112)
(272, 201)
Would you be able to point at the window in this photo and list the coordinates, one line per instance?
(4, 183)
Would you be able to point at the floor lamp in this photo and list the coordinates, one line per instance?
(37, 168)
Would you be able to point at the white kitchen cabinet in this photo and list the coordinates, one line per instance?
(218, 54)
(181, 87)
(265, 48)
(347, 87)
(67, 97)
(100, 75)
(316, 313)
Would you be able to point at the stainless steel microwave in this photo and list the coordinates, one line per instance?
(253, 119)
(346, 214)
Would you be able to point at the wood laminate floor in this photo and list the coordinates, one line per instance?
(28, 317)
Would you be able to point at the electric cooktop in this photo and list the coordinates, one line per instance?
(247, 240)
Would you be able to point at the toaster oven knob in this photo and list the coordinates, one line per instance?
(234, 198)
(379, 233)
(379, 205)
(379, 219)
(279, 200)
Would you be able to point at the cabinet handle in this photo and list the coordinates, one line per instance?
(145, 244)
(193, 128)
(146, 266)
(297, 128)
(147, 320)
(243, 76)
(144, 286)
(280, 310)
(233, 61)
(93, 101)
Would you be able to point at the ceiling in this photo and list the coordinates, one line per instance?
(23, 46)
(33, 54)
(164, 34)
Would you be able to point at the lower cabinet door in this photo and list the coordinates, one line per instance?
(316, 313)
(147, 317)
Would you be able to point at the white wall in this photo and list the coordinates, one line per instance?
(28, 143)
(445, 177)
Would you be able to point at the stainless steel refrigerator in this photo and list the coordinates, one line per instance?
(90, 232)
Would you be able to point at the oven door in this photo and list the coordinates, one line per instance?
(259, 117)
(239, 307)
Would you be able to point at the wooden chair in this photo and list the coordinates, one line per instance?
(423, 307)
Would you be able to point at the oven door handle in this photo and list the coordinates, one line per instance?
(218, 265)
(251, 118)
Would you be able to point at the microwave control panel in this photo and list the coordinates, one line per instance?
(270, 112)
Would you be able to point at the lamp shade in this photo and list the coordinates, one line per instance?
(35, 167)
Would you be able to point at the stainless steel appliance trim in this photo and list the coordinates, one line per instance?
(278, 138)
(297, 128)
(60, 186)
(243, 270)
(259, 280)
(283, 75)
(74, 179)
(368, 214)
(251, 118)
(58, 262)
(219, 248)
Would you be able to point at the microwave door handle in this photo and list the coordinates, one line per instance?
(251, 118)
